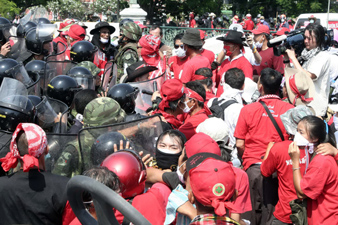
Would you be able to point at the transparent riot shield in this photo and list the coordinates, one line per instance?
(147, 88)
(62, 111)
(53, 69)
(18, 50)
(141, 133)
(34, 88)
(64, 156)
(11, 91)
(19, 72)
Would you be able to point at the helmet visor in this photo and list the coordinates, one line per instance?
(86, 82)
(47, 48)
(46, 114)
(46, 31)
(12, 91)
(19, 72)
(9, 31)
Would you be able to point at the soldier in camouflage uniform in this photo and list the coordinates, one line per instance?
(130, 34)
(99, 112)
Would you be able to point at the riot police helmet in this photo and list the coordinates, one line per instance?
(82, 76)
(44, 21)
(125, 95)
(4, 23)
(34, 99)
(23, 29)
(39, 39)
(82, 51)
(36, 66)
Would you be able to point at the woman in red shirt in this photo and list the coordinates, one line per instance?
(320, 182)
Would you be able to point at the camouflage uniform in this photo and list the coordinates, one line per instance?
(127, 54)
(100, 111)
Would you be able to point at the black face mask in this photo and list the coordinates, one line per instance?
(167, 161)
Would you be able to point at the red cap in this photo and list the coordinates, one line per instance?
(261, 29)
(171, 90)
(65, 23)
(282, 31)
(213, 184)
(202, 34)
(201, 142)
(77, 32)
(140, 24)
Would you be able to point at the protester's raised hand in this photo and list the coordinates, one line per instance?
(5, 49)
(294, 152)
(127, 146)
(146, 159)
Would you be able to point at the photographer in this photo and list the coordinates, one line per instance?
(315, 62)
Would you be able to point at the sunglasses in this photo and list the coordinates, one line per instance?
(176, 46)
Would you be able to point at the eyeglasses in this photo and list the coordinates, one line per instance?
(176, 46)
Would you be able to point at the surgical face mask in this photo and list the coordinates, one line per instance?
(312, 21)
(186, 107)
(283, 20)
(262, 21)
(259, 44)
(104, 41)
(179, 174)
(302, 141)
(180, 52)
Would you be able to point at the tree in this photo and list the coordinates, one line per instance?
(67, 8)
(8, 9)
(24, 4)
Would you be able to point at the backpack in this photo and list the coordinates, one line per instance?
(219, 105)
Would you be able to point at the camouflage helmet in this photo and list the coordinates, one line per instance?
(103, 111)
(132, 31)
(91, 67)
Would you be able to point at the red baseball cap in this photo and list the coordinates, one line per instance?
(140, 24)
(171, 90)
(213, 184)
(261, 29)
(77, 32)
(65, 23)
(201, 142)
(202, 34)
(282, 31)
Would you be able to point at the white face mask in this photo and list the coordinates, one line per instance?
(180, 52)
(104, 41)
(302, 141)
(259, 44)
(283, 20)
(186, 108)
(179, 174)
(262, 21)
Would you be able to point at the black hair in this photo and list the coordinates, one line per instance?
(206, 72)
(104, 176)
(174, 104)
(82, 98)
(318, 32)
(316, 128)
(22, 143)
(178, 37)
(195, 47)
(199, 89)
(173, 134)
(271, 80)
(234, 78)
(155, 26)
(225, 151)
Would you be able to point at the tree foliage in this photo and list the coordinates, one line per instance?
(8, 9)
(67, 8)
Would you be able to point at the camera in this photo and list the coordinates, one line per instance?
(295, 40)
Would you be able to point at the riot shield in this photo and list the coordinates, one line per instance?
(64, 156)
(141, 133)
(147, 88)
(34, 88)
(53, 69)
(62, 111)
(18, 50)
(106, 75)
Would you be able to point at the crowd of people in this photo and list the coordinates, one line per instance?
(185, 135)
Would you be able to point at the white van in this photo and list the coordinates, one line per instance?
(321, 18)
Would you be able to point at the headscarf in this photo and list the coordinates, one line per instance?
(37, 143)
(150, 49)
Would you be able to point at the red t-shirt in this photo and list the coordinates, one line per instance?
(280, 161)
(242, 203)
(209, 54)
(269, 60)
(191, 123)
(176, 65)
(191, 66)
(257, 130)
(152, 204)
(209, 95)
(240, 63)
(249, 25)
(320, 185)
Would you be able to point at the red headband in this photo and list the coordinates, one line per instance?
(192, 94)
(37, 143)
(294, 89)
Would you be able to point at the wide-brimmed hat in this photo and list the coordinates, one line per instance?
(192, 37)
(138, 69)
(292, 117)
(299, 86)
(233, 37)
(100, 25)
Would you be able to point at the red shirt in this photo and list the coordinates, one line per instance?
(100, 60)
(320, 185)
(192, 23)
(241, 63)
(280, 161)
(249, 25)
(269, 60)
(242, 203)
(192, 65)
(176, 65)
(190, 124)
(209, 95)
(152, 204)
(256, 129)
(209, 54)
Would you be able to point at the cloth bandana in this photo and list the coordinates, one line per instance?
(292, 82)
(307, 55)
(150, 49)
(37, 143)
(192, 94)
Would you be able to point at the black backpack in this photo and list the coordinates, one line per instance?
(219, 105)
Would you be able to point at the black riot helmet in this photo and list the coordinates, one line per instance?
(39, 39)
(104, 146)
(44, 21)
(5, 66)
(35, 66)
(34, 99)
(4, 23)
(125, 95)
(82, 76)
(63, 88)
(82, 51)
(124, 21)
(23, 29)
